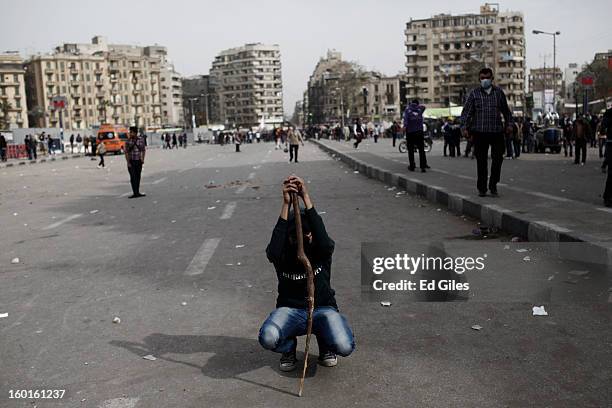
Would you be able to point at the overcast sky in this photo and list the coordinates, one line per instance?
(368, 32)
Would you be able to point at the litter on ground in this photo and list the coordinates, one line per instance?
(539, 311)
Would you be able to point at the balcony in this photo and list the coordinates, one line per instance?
(99, 83)
(77, 107)
(100, 94)
(49, 71)
(98, 71)
(74, 71)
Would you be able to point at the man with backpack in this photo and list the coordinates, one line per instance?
(413, 123)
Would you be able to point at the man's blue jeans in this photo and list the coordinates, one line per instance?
(278, 333)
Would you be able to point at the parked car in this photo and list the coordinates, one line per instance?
(548, 138)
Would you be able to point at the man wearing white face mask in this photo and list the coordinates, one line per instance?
(481, 119)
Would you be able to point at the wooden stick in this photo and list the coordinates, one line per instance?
(301, 255)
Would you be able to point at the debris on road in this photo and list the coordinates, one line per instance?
(183, 303)
(150, 357)
(521, 250)
(173, 221)
(212, 208)
(15, 214)
(551, 277)
(94, 211)
(385, 303)
(15, 260)
(539, 311)
(476, 327)
(2, 315)
(116, 320)
(240, 246)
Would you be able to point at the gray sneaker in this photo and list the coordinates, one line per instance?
(288, 362)
(328, 359)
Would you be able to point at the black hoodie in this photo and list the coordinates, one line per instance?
(291, 274)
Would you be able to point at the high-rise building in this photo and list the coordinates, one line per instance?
(569, 81)
(545, 78)
(249, 85)
(103, 83)
(13, 106)
(171, 87)
(444, 54)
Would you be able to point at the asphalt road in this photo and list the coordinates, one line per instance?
(185, 270)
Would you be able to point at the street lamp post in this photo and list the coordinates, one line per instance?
(193, 121)
(554, 36)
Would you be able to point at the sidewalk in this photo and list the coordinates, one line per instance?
(40, 159)
(528, 213)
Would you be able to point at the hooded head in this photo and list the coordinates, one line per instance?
(306, 232)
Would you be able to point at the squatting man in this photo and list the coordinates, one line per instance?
(280, 330)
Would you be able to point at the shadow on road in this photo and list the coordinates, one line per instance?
(232, 356)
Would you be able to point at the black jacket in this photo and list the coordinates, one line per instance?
(291, 275)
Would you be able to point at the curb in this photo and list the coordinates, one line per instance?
(490, 214)
(48, 159)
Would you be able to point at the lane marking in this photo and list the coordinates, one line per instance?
(228, 211)
(241, 189)
(160, 180)
(65, 220)
(202, 257)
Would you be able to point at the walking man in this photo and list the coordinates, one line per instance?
(606, 129)
(481, 120)
(413, 123)
(135, 156)
(72, 143)
(101, 149)
(359, 132)
(3, 147)
(280, 330)
(295, 138)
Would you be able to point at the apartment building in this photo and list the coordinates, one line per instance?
(249, 85)
(545, 78)
(101, 82)
(171, 88)
(13, 105)
(444, 54)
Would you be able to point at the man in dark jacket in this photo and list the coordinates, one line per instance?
(606, 128)
(413, 123)
(278, 333)
(481, 120)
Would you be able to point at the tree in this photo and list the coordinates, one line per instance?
(102, 106)
(602, 86)
(5, 107)
(35, 115)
